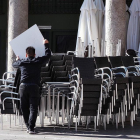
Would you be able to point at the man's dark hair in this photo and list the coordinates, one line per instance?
(30, 51)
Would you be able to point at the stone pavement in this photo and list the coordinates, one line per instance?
(49, 132)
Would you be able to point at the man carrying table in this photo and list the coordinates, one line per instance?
(30, 82)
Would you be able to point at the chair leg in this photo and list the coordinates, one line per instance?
(41, 114)
(76, 124)
(15, 119)
(136, 107)
(57, 109)
(44, 107)
(63, 104)
(21, 123)
(19, 118)
(95, 123)
(138, 101)
(104, 121)
(129, 99)
(69, 123)
(134, 112)
(49, 101)
(50, 120)
(98, 114)
(2, 121)
(15, 115)
(53, 111)
(116, 92)
(119, 116)
(112, 103)
(114, 97)
(10, 120)
(71, 120)
(87, 122)
(131, 96)
(68, 110)
(131, 118)
(116, 121)
(113, 119)
(99, 121)
(79, 117)
(110, 110)
(122, 117)
(126, 109)
(108, 116)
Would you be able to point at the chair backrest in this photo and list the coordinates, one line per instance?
(131, 52)
(45, 69)
(128, 61)
(68, 68)
(60, 74)
(62, 79)
(85, 66)
(115, 61)
(56, 63)
(17, 80)
(68, 63)
(46, 79)
(56, 57)
(57, 68)
(68, 57)
(45, 74)
(101, 62)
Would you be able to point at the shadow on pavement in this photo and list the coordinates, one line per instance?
(127, 133)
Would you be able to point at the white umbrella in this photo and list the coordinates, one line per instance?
(127, 15)
(100, 17)
(87, 29)
(133, 34)
(103, 49)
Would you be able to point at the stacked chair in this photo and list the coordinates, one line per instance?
(90, 91)
(59, 68)
(84, 91)
(9, 97)
(125, 80)
(115, 102)
(106, 89)
(134, 54)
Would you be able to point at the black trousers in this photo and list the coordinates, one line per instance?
(29, 102)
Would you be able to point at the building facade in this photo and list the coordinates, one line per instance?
(59, 19)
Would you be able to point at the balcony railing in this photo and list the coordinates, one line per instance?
(54, 6)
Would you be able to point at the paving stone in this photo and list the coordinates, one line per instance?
(52, 132)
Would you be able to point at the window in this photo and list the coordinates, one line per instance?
(55, 6)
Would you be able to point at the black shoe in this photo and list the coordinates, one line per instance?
(32, 132)
(27, 130)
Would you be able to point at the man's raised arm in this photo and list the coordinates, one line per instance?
(45, 58)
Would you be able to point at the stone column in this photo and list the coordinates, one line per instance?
(17, 23)
(115, 25)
